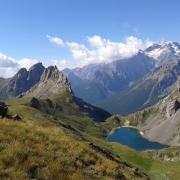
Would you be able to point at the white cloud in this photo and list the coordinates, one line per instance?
(7, 72)
(62, 64)
(55, 40)
(9, 66)
(6, 61)
(103, 50)
(27, 63)
(97, 41)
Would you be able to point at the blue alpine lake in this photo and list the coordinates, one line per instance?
(132, 138)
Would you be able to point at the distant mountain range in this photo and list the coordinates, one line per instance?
(106, 85)
(121, 87)
(96, 82)
(55, 127)
(145, 92)
(162, 53)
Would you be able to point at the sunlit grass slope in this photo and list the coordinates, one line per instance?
(39, 147)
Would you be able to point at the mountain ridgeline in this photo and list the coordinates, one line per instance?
(46, 83)
(59, 136)
(127, 85)
(147, 91)
(21, 82)
(94, 83)
(55, 136)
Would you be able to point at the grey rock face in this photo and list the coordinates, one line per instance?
(163, 125)
(51, 83)
(22, 81)
(35, 73)
(172, 107)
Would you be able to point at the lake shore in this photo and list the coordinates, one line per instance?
(126, 126)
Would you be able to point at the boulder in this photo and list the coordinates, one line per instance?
(3, 109)
(16, 117)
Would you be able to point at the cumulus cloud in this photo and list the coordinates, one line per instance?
(55, 40)
(102, 50)
(8, 71)
(9, 66)
(62, 63)
(6, 61)
(27, 63)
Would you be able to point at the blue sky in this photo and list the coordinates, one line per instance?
(25, 24)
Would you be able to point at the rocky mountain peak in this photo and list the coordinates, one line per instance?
(22, 81)
(35, 73)
(51, 72)
(21, 73)
(163, 52)
(51, 83)
(36, 68)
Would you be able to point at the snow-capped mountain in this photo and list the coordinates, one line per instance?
(163, 52)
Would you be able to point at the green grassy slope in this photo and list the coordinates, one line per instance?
(41, 146)
(66, 144)
(156, 169)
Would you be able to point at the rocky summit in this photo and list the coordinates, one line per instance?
(21, 82)
(51, 82)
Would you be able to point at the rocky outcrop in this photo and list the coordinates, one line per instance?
(163, 125)
(172, 107)
(16, 117)
(52, 82)
(3, 109)
(22, 81)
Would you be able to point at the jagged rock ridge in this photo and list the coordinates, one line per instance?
(22, 81)
(51, 82)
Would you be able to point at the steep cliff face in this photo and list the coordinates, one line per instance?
(21, 82)
(51, 83)
(53, 87)
(164, 124)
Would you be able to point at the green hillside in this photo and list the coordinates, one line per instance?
(41, 146)
(66, 144)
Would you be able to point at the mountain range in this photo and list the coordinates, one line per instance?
(109, 85)
(58, 135)
(147, 91)
(41, 82)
